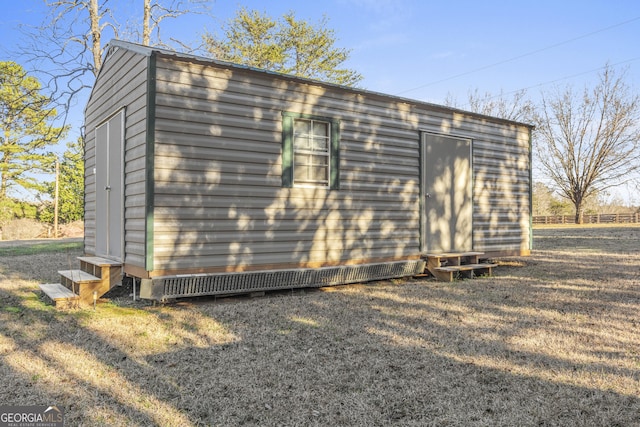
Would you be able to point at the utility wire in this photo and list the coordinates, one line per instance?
(582, 73)
(524, 55)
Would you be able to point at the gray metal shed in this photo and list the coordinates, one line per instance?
(220, 178)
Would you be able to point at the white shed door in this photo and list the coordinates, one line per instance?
(448, 206)
(110, 187)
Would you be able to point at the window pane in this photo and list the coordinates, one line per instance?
(320, 160)
(301, 142)
(301, 127)
(302, 159)
(320, 144)
(300, 173)
(320, 128)
(301, 167)
(319, 173)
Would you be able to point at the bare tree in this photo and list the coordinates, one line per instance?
(589, 141)
(67, 49)
(70, 24)
(156, 11)
(518, 107)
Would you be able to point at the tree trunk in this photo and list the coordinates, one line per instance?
(5, 169)
(96, 48)
(56, 200)
(3, 186)
(578, 217)
(146, 28)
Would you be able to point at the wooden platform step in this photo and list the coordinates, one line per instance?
(455, 258)
(108, 270)
(95, 277)
(84, 284)
(468, 271)
(61, 296)
(78, 276)
(100, 262)
(451, 265)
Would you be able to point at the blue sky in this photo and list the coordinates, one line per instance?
(428, 49)
(416, 48)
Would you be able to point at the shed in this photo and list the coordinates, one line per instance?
(206, 177)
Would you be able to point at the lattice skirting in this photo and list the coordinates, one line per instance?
(169, 287)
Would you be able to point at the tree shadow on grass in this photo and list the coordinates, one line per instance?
(74, 359)
(520, 348)
(409, 354)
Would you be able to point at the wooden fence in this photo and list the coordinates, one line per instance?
(623, 218)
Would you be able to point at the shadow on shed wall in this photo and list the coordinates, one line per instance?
(219, 200)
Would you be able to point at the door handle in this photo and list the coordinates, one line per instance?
(427, 195)
(108, 188)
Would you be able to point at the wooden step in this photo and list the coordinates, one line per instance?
(450, 265)
(84, 284)
(453, 254)
(95, 277)
(78, 276)
(99, 261)
(106, 269)
(60, 295)
(453, 258)
(468, 271)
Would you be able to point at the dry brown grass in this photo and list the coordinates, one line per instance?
(25, 228)
(550, 340)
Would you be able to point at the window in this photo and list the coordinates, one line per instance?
(310, 152)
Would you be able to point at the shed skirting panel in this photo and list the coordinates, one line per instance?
(170, 287)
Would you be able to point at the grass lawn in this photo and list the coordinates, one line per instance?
(39, 247)
(550, 340)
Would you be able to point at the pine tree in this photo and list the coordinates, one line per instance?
(26, 130)
(70, 187)
(289, 46)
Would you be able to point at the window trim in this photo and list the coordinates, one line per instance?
(288, 150)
